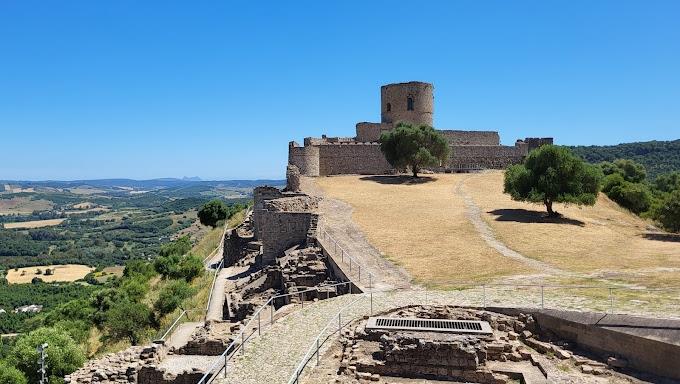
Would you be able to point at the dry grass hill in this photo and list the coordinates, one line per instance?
(452, 228)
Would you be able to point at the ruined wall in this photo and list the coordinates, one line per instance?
(281, 230)
(485, 156)
(358, 158)
(371, 131)
(535, 142)
(471, 137)
(292, 178)
(394, 103)
(305, 158)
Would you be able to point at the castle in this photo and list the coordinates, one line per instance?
(413, 103)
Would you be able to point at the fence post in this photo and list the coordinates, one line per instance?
(542, 297)
(259, 324)
(317, 351)
(302, 300)
(350, 265)
(483, 296)
(360, 273)
(370, 280)
(225, 364)
(243, 342)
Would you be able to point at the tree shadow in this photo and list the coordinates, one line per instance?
(398, 179)
(670, 237)
(527, 216)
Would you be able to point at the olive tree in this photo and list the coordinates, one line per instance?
(414, 147)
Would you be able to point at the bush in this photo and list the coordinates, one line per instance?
(213, 212)
(190, 268)
(668, 212)
(11, 375)
(612, 180)
(171, 297)
(634, 196)
(128, 320)
(63, 354)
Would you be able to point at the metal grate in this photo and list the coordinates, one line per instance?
(429, 325)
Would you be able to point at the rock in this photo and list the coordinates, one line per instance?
(587, 369)
(513, 335)
(562, 354)
(617, 362)
(527, 334)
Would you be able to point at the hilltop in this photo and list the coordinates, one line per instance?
(657, 156)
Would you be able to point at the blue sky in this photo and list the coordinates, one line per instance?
(94, 89)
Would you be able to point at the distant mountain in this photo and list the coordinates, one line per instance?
(145, 184)
(657, 156)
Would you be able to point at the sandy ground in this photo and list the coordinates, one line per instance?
(68, 272)
(428, 227)
(34, 224)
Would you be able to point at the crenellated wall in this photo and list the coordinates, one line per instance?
(305, 158)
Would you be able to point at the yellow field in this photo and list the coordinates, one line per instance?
(34, 224)
(23, 205)
(425, 228)
(68, 272)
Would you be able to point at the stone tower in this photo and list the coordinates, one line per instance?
(411, 102)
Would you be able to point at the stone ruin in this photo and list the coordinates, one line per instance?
(516, 351)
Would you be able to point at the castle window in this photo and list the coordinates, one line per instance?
(388, 107)
(409, 104)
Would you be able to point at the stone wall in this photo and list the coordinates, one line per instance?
(358, 158)
(393, 100)
(281, 230)
(305, 158)
(485, 156)
(292, 178)
(471, 137)
(367, 132)
(535, 142)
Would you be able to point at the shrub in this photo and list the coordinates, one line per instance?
(213, 212)
(634, 196)
(128, 320)
(11, 375)
(668, 212)
(63, 354)
(171, 297)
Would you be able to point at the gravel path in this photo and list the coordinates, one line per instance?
(176, 364)
(336, 219)
(474, 214)
(181, 335)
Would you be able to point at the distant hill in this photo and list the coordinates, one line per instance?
(146, 184)
(657, 156)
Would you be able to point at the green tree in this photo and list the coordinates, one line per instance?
(552, 174)
(629, 169)
(668, 182)
(414, 147)
(178, 247)
(668, 212)
(64, 356)
(128, 320)
(213, 212)
(11, 375)
(171, 296)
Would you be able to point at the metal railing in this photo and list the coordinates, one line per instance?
(255, 325)
(355, 267)
(212, 287)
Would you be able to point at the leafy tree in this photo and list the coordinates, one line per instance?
(189, 268)
(668, 212)
(612, 180)
(139, 267)
(63, 356)
(128, 320)
(178, 247)
(171, 297)
(668, 182)
(629, 169)
(134, 289)
(553, 174)
(414, 147)
(213, 212)
(11, 375)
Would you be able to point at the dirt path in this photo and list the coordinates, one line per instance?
(182, 334)
(474, 214)
(336, 219)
